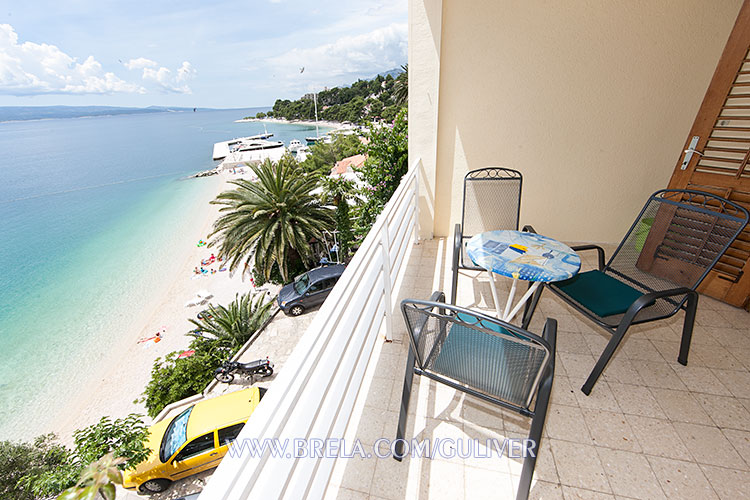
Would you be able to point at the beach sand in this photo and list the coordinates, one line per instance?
(121, 373)
(321, 123)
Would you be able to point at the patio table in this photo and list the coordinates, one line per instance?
(521, 255)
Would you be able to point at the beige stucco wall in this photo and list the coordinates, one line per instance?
(591, 100)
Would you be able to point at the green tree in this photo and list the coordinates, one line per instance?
(337, 190)
(387, 162)
(260, 115)
(234, 324)
(100, 477)
(24, 459)
(401, 87)
(270, 221)
(323, 156)
(51, 468)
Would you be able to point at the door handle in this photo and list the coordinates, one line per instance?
(690, 151)
(214, 453)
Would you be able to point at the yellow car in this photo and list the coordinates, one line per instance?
(195, 440)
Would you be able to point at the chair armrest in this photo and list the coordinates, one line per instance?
(649, 298)
(457, 242)
(599, 251)
(550, 334)
(528, 229)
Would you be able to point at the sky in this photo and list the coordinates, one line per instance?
(220, 54)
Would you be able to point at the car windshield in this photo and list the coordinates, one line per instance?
(175, 436)
(301, 284)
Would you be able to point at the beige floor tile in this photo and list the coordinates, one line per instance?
(738, 382)
(573, 342)
(630, 474)
(741, 442)
(658, 437)
(577, 366)
(659, 374)
(391, 478)
(570, 493)
(482, 414)
(578, 466)
(358, 473)
(725, 411)
(562, 391)
(621, 369)
(542, 490)
(636, 400)
(708, 317)
(611, 430)
(441, 480)
(567, 423)
(669, 350)
(680, 406)
(347, 494)
(601, 398)
(681, 480)
(708, 445)
(485, 483)
(640, 349)
(700, 379)
(729, 484)
(596, 341)
(731, 338)
(714, 356)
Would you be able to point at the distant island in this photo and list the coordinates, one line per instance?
(19, 113)
(365, 100)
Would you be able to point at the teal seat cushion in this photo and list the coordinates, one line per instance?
(601, 294)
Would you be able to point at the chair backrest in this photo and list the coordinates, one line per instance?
(482, 353)
(676, 240)
(492, 200)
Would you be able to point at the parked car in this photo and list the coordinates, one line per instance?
(193, 441)
(309, 289)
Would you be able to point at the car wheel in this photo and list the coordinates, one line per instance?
(154, 486)
(296, 310)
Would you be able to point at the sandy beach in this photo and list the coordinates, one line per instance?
(321, 123)
(121, 373)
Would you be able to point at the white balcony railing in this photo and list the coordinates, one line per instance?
(313, 396)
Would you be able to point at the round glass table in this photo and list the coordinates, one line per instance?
(520, 255)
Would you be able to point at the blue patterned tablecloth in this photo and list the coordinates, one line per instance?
(527, 256)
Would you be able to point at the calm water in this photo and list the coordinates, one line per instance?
(86, 204)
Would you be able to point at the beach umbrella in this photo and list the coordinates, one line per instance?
(186, 354)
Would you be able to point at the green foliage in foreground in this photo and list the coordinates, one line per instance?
(44, 468)
(99, 478)
(173, 378)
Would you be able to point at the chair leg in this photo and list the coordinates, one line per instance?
(457, 242)
(404, 413)
(605, 357)
(687, 327)
(535, 437)
(530, 307)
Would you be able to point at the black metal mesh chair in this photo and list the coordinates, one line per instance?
(482, 356)
(670, 248)
(492, 200)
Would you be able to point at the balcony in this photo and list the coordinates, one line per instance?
(651, 428)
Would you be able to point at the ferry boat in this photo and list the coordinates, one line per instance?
(294, 145)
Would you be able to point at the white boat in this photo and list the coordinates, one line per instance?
(302, 153)
(294, 145)
(222, 149)
(249, 152)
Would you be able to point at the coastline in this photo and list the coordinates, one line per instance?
(119, 375)
(311, 123)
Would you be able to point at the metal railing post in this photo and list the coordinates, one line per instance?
(385, 245)
(417, 178)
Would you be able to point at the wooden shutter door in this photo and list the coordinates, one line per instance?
(722, 152)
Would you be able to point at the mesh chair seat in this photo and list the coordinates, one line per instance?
(484, 357)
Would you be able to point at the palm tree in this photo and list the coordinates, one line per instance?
(234, 324)
(270, 221)
(401, 87)
(337, 190)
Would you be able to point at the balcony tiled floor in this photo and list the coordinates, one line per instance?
(650, 429)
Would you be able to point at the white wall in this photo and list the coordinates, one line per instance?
(591, 100)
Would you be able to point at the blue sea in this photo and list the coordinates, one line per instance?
(87, 204)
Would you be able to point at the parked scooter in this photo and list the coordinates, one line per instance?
(225, 373)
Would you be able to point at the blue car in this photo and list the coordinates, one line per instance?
(309, 289)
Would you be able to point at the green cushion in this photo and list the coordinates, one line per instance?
(601, 294)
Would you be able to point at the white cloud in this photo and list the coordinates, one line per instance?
(344, 60)
(140, 63)
(30, 69)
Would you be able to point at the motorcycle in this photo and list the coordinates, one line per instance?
(262, 367)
